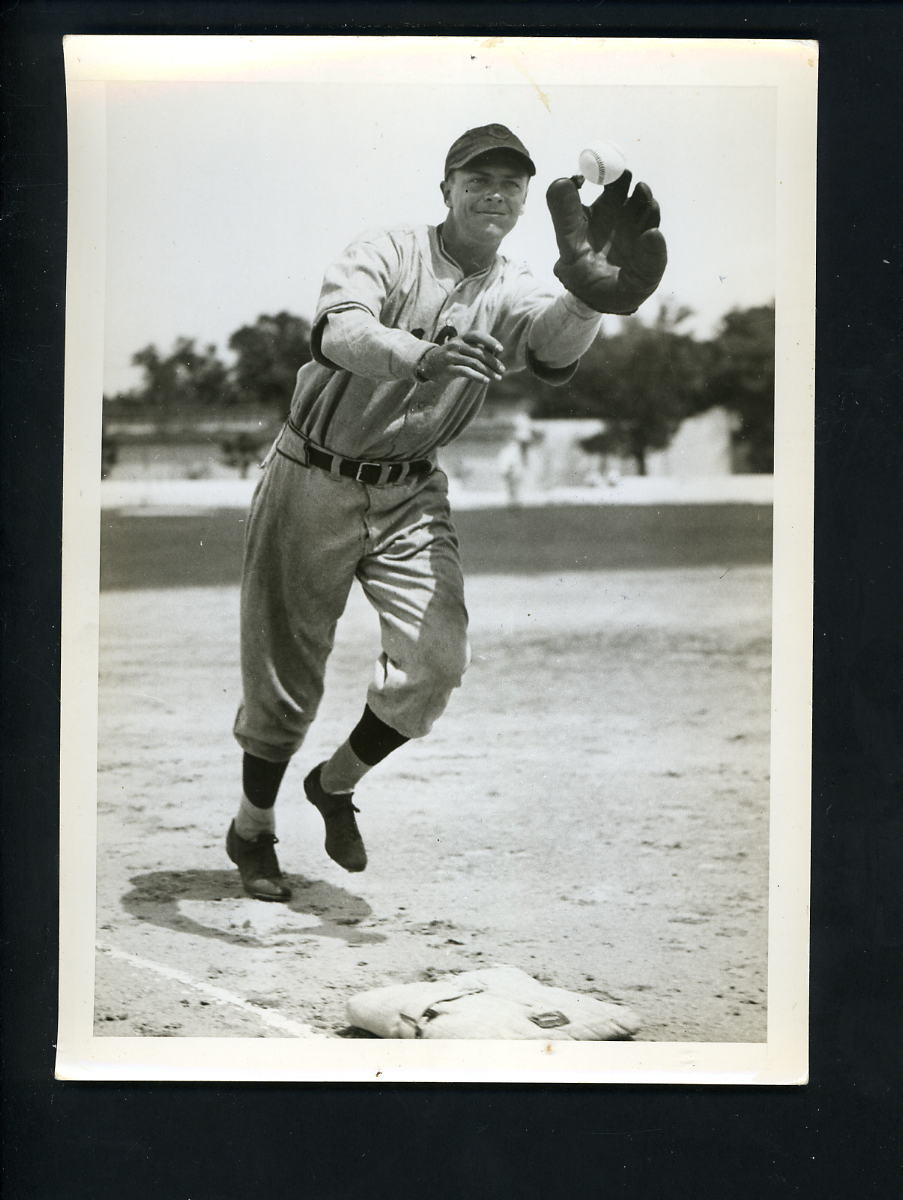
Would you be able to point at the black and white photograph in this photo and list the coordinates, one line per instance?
(437, 559)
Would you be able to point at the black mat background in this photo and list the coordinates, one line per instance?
(837, 1137)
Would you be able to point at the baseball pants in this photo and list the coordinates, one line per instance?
(309, 536)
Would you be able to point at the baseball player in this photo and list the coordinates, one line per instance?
(412, 326)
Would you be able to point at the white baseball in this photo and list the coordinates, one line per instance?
(602, 163)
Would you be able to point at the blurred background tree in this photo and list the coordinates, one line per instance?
(641, 382)
(185, 378)
(740, 377)
(267, 357)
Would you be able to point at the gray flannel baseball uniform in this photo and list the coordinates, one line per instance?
(312, 532)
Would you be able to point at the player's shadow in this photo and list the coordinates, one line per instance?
(157, 897)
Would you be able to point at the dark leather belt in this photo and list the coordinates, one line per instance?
(363, 472)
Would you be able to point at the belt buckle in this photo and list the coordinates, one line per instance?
(378, 467)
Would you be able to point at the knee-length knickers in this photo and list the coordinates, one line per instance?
(309, 536)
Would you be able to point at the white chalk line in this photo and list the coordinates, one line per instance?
(221, 995)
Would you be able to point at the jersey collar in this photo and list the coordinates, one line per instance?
(442, 255)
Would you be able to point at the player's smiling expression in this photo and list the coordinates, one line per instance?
(485, 198)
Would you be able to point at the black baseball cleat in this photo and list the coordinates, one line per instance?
(344, 844)
(257, 864)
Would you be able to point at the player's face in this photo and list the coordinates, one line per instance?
(485, 199)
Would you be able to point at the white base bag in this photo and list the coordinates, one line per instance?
(497, 1002)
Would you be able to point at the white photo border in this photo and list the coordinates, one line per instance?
(788, 66)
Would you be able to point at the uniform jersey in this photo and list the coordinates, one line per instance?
(405, 280)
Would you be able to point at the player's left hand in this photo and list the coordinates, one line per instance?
(612, 254)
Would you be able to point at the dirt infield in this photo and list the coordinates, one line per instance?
(592, 808)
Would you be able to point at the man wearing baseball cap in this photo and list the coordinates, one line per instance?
(484, 140)
(412, 326)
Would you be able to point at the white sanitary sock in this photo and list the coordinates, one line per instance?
(343, 772)
(251, 820)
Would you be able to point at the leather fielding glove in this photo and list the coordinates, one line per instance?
(612, 254)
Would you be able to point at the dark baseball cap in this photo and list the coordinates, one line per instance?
(474, 142)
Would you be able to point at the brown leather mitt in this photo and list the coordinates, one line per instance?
(613, 254)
